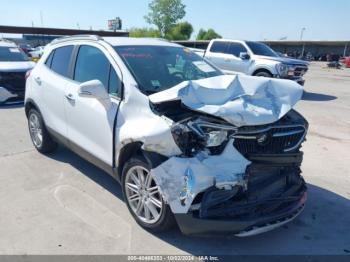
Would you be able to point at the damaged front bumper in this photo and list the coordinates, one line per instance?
(276, 194)
(192, 225)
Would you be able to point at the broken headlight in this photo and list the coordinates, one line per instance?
(197, 135)
(216, 138)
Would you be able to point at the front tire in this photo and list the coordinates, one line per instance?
(39, 135)
(143, 197)
(263, 74)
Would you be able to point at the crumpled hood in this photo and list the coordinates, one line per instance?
(240, 100)
(20, 66)
(286, 60)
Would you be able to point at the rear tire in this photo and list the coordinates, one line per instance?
(39, 135)
(142, 197)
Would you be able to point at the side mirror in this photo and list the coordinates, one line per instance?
(244, 56)
(93, 88)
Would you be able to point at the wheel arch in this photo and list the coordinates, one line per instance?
(126, 152)
(262, 70)
(154, 159)
(30, 104)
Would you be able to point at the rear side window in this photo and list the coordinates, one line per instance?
(49, 60)
(92, 64)
(219, 47)
(236, 48)
(61, 60)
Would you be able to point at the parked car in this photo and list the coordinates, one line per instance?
(13, 67)
(37, 52)
(345, 61)
(335, 64)
(219, 153)
(254, 58)
(26, 48)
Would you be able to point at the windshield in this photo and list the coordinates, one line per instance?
(261, 49)
(157, 68)
(12, 54)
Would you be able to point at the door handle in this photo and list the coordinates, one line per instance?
(70, 97)
(38, 80)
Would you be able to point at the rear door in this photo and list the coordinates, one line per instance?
(217, 53)
(52, 79)
(90, 122)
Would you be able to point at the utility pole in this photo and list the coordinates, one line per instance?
(301, 39)
(345, 49)
(302, 33)
(41, 18)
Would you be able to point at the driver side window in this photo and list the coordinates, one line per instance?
(236, 48)
(92, 64)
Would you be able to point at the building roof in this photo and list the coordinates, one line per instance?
(58, 31)
(279, 42)
(308, 42)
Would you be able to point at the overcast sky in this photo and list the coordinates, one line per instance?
(239, 19)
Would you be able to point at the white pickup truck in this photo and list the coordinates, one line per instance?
(253, 58)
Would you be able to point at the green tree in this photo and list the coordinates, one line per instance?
(207, 35)
(201, 34)
(164, 14)
(144, 32)
(181, 31)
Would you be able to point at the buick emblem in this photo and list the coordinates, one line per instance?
(262, 139)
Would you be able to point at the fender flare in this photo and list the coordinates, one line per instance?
(153, 159)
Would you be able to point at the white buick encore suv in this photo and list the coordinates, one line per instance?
(215, 153)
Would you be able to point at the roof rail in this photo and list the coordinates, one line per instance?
(76, 37)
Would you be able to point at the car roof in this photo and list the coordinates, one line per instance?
(229, 40)
(125, 41)
(114, 41)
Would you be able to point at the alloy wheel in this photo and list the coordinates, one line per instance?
(143, 195)
(35, 130)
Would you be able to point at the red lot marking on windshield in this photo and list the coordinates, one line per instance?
(132, 55)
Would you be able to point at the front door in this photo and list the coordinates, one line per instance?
(90, 122)
(235, 63)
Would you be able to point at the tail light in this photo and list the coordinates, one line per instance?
(28, 74)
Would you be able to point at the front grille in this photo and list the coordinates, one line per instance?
(13, 81)
(300, 70)
(271, 140)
